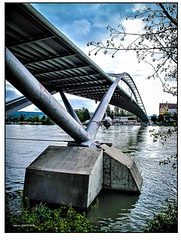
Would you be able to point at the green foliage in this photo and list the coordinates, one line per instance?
(22, 118)
(95, 206)
(43, 219)
(168, 117)
(161, 118)
(109, 112)
(163, 135)
(83, 114)
(47, 121)
(117, 111)
(154, 118)
(138, 120)
(32, 120)
(36, 118)
(165, 221)
(76, 222)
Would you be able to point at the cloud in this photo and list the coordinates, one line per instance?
(133, 25)
(105, 18)
(81, 26)
(137, 7)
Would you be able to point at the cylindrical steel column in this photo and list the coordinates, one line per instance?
(94, 124)
(69, 107)
(25, 82)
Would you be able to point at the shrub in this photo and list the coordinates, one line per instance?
(165, 221)
(43, 219)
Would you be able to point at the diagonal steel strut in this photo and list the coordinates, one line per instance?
(69, 108)
(26, 83)
(94, 124)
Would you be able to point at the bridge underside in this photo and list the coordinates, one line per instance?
(41, 61)
(56, 62)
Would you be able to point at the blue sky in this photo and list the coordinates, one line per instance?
(84, 22)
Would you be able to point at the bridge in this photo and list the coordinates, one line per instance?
(41, 61)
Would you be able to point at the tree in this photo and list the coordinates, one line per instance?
(43, 119)
(83, 114)
(122, 113)
(161, 118)
(86, 114)
(36, 118)
(154, 118)
(167, 116)
(109, 112)
(116, 111)
(157, 46)
(48, 121)
(22, 118)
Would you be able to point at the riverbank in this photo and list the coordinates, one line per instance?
(45, 219)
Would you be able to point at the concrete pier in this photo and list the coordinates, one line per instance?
(65, 175)
(76, 175)
(120, 171)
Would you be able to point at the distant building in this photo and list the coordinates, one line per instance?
(167, 107)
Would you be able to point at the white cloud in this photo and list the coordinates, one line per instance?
(133, 25)
(137, 7)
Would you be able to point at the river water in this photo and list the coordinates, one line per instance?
(117, 211)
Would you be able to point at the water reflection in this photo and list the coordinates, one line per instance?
(126, 138)
(111, 204)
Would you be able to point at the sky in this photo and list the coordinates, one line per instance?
(85, 22)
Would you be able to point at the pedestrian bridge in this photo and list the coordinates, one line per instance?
(57, 64)
(41, 61)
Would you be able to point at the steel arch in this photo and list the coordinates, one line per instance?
(131, 84)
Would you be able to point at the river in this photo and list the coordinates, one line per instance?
(121, 212)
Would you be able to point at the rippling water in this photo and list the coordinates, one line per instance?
(117, 211)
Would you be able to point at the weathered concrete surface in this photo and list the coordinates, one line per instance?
(65, 175)
(120, 171)
(76, 175)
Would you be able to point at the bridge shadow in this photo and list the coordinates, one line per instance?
(137, 138)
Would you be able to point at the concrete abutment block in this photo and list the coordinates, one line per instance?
(65, 175)
(120, 171)
(75, 175)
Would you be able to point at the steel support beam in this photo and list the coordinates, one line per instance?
(69, 107)
(26, 83)
(94, 124)
(16, 104)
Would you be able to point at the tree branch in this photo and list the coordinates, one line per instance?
(168, 15)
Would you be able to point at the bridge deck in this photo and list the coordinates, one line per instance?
(55, 61)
